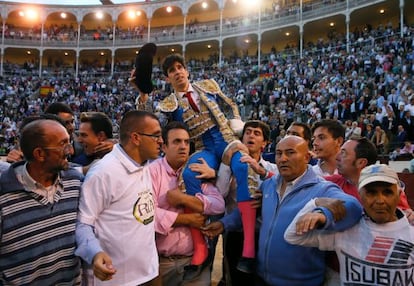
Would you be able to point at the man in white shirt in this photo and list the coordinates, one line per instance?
(379, 250)
(116, 232)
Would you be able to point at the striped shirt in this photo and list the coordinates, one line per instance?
(37, 238)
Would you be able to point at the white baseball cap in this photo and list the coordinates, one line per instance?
(377, 173)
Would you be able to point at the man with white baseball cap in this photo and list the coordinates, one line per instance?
(379, 188)
(379, 250)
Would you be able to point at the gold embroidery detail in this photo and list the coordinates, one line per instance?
(169, 104)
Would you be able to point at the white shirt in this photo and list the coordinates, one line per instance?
(194, 95)
(318, 170)
(289, 187)
(117, 200)
(368, 253)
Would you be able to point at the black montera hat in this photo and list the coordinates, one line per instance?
(143, 67)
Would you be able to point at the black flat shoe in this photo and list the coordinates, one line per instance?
(246, 265)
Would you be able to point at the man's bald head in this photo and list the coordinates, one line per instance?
(293, 140)
(292, 157)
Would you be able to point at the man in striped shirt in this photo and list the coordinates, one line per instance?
(38, 210)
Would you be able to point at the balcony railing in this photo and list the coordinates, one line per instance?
(287, 16)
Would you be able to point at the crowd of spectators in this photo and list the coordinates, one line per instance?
(369, 88)
(68, 32)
